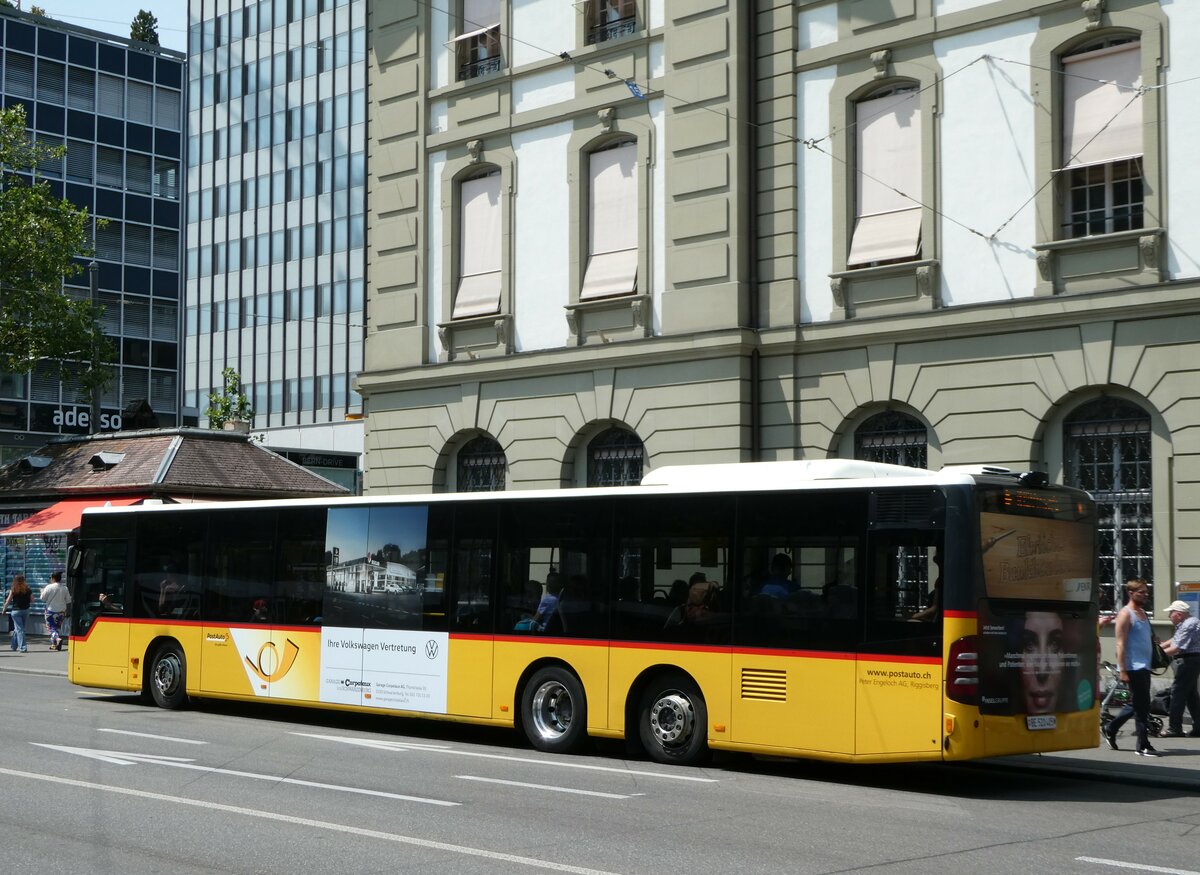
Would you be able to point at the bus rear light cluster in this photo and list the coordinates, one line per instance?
(963, 671)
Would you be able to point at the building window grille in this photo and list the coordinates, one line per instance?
(615, 458)
(1107, 452)
(893, 438)
(480, 466)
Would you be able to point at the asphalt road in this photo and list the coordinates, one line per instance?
(98, 782)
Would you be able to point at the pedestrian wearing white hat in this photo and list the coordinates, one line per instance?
(1185, 648)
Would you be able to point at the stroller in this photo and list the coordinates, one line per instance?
(1116, 695)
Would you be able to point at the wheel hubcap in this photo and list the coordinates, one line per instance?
(166, 674)
(672, 720)
(552, 710)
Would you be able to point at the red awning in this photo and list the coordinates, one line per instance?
(63, 517)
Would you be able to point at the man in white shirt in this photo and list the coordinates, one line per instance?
(56, 598)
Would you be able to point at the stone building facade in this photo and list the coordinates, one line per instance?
(928, 231)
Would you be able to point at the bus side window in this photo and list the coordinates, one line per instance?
(903, 587)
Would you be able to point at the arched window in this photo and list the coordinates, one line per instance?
(892, 437)
(1106, 450)
(615, 458)
(480, 466)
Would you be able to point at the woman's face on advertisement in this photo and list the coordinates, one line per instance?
(1041, 671)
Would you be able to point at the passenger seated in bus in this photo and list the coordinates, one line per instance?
(547, 609)
(779, 584)
(933, 601)
(258, 611)
(703, 599)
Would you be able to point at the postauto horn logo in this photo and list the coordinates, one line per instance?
(269, 665)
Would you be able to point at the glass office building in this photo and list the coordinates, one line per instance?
(117, 107)
(275, 218)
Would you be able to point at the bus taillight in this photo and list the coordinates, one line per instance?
(962, 674)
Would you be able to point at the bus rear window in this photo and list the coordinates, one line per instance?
(1036, 544)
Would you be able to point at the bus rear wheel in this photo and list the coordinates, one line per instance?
(168, 677)
(673, 721)
(554, 711)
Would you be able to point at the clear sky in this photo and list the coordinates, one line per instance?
(114, 16)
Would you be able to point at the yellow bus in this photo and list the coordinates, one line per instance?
(837, 610)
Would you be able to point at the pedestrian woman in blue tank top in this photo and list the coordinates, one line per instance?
(1134, 656)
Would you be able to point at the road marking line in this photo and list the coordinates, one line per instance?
(120, 758)
(401, 745)
(544, 787)
(315, 824)
(1141, 867)
(157, 737)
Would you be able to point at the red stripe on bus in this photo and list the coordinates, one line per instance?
(961, 615)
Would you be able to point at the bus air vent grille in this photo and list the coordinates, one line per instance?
(765, 684)
(903, 508)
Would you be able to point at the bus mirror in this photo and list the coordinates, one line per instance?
(73, 559)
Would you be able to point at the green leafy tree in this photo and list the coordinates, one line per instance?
(38, 10)
(42, 240)
(230, 404)
(144, 27)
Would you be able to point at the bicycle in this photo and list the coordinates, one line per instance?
(1117, 694)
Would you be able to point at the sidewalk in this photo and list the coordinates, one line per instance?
(1177, 769)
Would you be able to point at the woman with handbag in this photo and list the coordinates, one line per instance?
(19, 598)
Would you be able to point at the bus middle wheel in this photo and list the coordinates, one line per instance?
(673, 721)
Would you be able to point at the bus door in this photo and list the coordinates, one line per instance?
(99, 632)
(467, 593)
(899, 671)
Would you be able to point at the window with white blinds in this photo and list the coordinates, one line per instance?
(79, 161)
(612, 223)
(889, 162)
(109, 167)
(137, 172)
(166, 108)
(137, 245)
(110, 317)
(18, 75)
(141, 102)
(479, 247)
(136, 317)
(50, 164)
(51, 81)
(81, 89)
(45, 386)
(112, 96)
(1102, 105)
(108, 241)
(166, 249)
(162, 391)
(164, 321)
(135, 385)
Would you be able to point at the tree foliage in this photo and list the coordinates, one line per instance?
(230, 404)
(144, 27)
(41, 328)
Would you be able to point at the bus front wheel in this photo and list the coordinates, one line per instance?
(168, 677)
(554, 711)
(673, 721)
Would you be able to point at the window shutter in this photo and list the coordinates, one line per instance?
(889, 159)
(81, 89)
(166, 319)
(18, 75)
(166, 179)
(137, 317)
(141, 102)
(1100, 123)
(112, 96)
(79, 161)
(612, 223)
(166, 249)
(109, 168)
(162, 391)
(137, 172)
(137, 245)
(480, 224)
(166, 108)
(47, 165)
(51, 82)
(108, 241)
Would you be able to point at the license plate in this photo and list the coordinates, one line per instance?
(1041, 721)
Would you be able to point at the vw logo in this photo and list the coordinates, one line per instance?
(431, 649)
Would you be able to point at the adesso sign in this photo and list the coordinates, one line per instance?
(80, 419)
